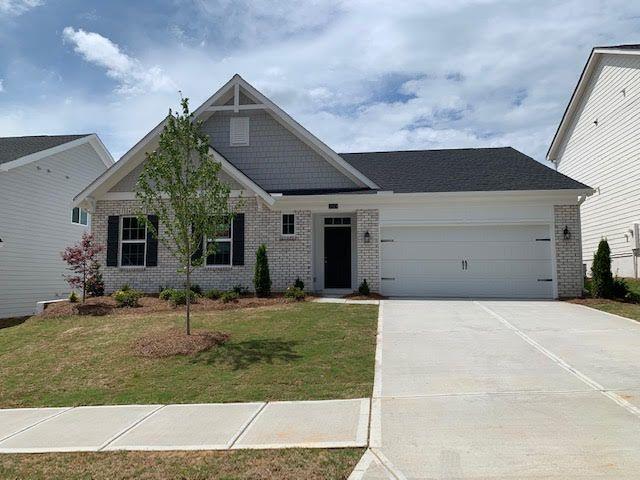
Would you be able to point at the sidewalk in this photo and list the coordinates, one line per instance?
(304, 424)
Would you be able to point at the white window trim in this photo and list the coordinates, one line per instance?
(220, 239)
(132, 241)
(287, 235)
(79, 222)
(235, 120)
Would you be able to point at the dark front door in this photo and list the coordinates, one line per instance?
(337, 257)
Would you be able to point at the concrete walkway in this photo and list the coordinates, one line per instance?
(503, 390)
(308, 424)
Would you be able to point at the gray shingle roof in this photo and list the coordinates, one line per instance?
(12, 148)
(459, 170)
(630, 46)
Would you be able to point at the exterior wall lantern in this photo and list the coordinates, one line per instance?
(367, 237)
(566, 233)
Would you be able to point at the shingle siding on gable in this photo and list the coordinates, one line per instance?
(275, 159)
(605, 156)
(128, 183)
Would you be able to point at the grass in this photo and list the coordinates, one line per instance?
(286, 352)
(241, 464)
(624, 309)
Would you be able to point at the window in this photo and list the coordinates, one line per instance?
(222, 254)
(133, 242)
(288, 224)
(239, 131)
(79, 216)
(337, 221)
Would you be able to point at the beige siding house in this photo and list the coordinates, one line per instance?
(39, 176)
(488, 222)
(598, 143)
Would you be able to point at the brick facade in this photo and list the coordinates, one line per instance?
(568, 252)
(289, 258)
(368, 253)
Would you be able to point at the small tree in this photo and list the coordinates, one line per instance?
(95, 282)
(602, 279)
(81, 259)
(261, 278)
(179, 183)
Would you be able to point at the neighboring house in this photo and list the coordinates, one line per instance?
(598, 143)
(39, 177)
(469, 222)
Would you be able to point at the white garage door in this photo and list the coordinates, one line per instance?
(467, 261)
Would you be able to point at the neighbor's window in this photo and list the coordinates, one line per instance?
(288, 224)
(222, 255)
(133, 242)
(79, 216)
(239, 131)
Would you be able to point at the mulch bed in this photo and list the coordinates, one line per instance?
(176, 342)
(107, 305)
(371, 296)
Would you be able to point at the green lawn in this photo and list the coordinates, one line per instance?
(242, 464)
(624, 309)
(286, 352)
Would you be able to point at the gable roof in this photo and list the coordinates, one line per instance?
(244, 96)
(581, 86)
(18, 151)
(459, 170)
(12, 148)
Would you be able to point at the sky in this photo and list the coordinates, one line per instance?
(362, 76)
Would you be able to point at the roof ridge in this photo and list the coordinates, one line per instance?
(426, 150)
(50, 136)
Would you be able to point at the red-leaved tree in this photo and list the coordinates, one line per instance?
(81, 259)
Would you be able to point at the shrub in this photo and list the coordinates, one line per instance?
(73, 297)
(299, 284)
(195, 288)
(125, 288)
(294, 293)
(179, 297)
(127, 298)
(363, 289)
(230, 296)
(166, 294)
(632, 297)
(261, 278)
(240, 290)
(602, 279)
(213, 294)
(619, 288)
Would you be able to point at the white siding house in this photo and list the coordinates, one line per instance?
(39, 177)
(598, 143)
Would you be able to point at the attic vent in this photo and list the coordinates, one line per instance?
(239, 131)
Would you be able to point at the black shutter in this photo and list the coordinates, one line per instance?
(152, 242)
(198, 253)
(238, 239)
(113, 232)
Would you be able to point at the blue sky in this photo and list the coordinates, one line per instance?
(362, 76)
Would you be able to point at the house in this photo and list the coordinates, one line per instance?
(39, 177)
(468, 222)
(598, 143)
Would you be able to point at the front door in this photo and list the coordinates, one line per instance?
(337, 256)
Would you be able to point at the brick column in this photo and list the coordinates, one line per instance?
(569, 272)
(368, 253)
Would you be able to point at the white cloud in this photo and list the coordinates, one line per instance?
(18, 7)
(1, 85)
(361, 75)
(133, 77)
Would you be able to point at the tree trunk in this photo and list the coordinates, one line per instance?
(189, 299)
(84, 282)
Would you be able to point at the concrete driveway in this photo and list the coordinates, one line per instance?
(505, 389)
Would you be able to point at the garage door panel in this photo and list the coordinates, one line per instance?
(501, 261)
(397, 250)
